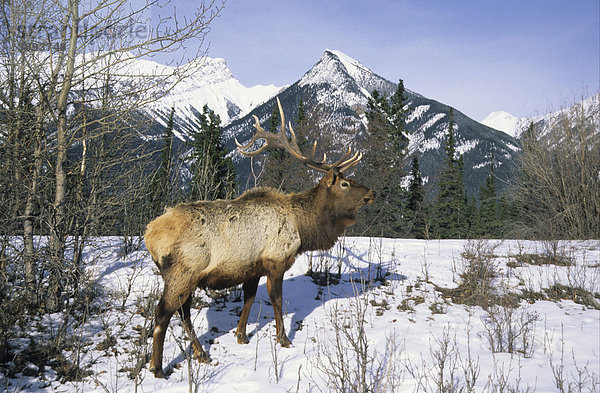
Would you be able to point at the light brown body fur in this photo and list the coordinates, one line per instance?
(222, 243)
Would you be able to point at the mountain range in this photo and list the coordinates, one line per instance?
(213, 85)
(515, 126)
(337, 88)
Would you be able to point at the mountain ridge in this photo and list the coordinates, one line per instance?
(213, 85)
(340, 87)
(512, 125)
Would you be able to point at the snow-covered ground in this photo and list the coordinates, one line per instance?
(395, 334)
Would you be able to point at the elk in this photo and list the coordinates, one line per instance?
(223, 243)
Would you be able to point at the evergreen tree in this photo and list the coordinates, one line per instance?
(274, 162)
(506, 214)
(416, 205)
(274, 121)
(462, 200)
(165, 157)
(529, 137)
(377, 110)
(384, 159)
(301, 118)
(472, 228)
(489, 225)
(213, 174)
(160, 186)
(281, 170)
(398, 111)
(450, 218)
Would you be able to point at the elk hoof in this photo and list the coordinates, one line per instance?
(284, 342)
(242, 338)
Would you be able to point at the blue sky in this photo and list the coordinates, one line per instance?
(525, 57)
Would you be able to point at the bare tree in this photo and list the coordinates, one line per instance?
(22, 128)
(558, 191)
(71, 90)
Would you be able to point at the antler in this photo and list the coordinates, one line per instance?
(279, 140)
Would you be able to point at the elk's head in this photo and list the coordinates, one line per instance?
(343, 196)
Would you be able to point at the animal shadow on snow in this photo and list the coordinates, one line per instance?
(301, 296)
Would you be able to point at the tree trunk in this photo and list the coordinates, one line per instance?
(28, 224)
(57, 236)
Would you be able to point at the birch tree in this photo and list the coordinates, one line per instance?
(71, 82)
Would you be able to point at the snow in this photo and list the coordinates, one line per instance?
(417, 113)
(514, 126)
(334, 68)
(328, 70)
(417, 140)
(588, 108)
(466, 146)
(406, 321)
(209, 82)
(482, 164)
(434, 119)
(513, 147)
(340, 83)
(215, 86)
(505, 122)
(354, 68)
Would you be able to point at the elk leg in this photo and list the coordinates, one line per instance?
(184, 312)
(163, 316)
(249, 288)
(274, 287)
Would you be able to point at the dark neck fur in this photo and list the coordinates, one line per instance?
(318, 224)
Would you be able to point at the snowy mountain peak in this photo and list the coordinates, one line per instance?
(353, 67)
(503, 121)
(329, 69)
(587, 108)
(338, 69)
(213, 84)
(213, 70)
(515, 126)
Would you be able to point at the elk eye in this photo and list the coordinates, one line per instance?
(345, 184)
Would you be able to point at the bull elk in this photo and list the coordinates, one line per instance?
(223, 243)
